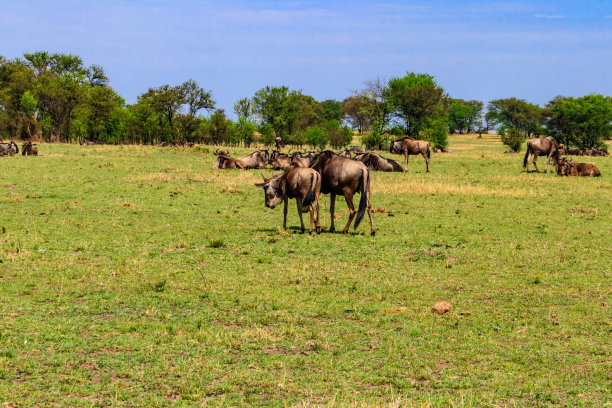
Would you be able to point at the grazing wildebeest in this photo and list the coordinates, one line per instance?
(567, 167)
(541, 146)
(279, 161)
(376, 162)
(29, 149)
(255, 160)
(357, 149)
(407, 146)
(224, 161)
(301, 159)
(345, 177)
(8, 149)
(301, 183)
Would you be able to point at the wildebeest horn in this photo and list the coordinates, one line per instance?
(264, 178)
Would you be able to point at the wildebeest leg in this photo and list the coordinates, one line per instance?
(318, 219)
(405, 161)
(285, 214)
(535, 157)
(547, 162)
(299, 208)
(348, 196)
(312, 217)
(332, 204)
(426, 160)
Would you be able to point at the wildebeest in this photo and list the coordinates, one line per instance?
(345, 153)
(85, 142)
(574, 151)
(407, 146)
(541, 146)
(567, 167)
(8, 149)
(29, 149)
(224, 161)
(345, 177)
(301, 159)
(279, 161)
(279, 143)
(255, 160)
(301, 183)
(357, 149)
(376, 162)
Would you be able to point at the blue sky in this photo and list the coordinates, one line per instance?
(482, 50)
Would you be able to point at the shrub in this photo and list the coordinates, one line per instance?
(375, 140)
(511, 137)
(267, 134)
(339, 136)
(436, 133)
(316, 136)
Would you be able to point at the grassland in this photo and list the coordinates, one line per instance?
(139, 276)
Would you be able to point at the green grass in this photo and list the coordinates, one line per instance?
(139, 276)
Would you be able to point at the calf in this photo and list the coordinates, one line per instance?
(279, 161)
(301, 183)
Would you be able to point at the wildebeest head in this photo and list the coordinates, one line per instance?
(396, 146)
(274, 190)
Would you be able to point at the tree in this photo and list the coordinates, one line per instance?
(332, 109)
(464, 115)
(166, 102)
(28, 109)
(416, 99)
(516, 114)
(356, 109)
(243, 108)
(584, 122)
(196, 98)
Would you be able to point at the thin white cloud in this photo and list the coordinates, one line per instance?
(549, 17)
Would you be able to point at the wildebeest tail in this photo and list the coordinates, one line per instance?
(363, 203)
(428, 152)
(309, 197)
(527, 155)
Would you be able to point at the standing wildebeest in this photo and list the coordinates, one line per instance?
(301, 183)
(8, 149)
(29, 149)
(279, 161)
(279, 143)
(345, 177)
(407, 146)
(376, 162)
(571, 168)
(541, 146)
(255, 160)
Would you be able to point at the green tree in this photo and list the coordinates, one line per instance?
(166, 101)
(243, 108)
(332, 109)
(417, 99)
(317, 137)
(464, 115)
(358, 111)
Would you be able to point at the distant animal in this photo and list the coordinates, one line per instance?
(255, 160)
(29, 149)
(567, 167)
(86, 142)
(574, 151)
(604, 151)
(357, 149)
(8, 149)
(279, 143)
(224, 161)
(345, 177)
(301, 183)
(302, 159)
(376, 162)
(541, 146)
(407, 146)
(345, 153)
(279, 161)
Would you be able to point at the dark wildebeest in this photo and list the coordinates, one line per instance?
(279, 161)
(224, 161)
(301, 183)
(255, 160)
(376, 162)
(302, 160)
(8, 149)
(571, 168)
(357, 149)
(279, 143)
(574, 151)
(604, 151)
(541, 146)
(407, 146)
(29, 149)
(345, 177)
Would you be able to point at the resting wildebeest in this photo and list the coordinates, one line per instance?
(29, 149)
(541, 146)
(376, 162)
(8, 149)
(255, 160)
(224, 161)
(407, 146)
(574, 151)
(279, 161)
(301, 183)
(567, 167)
(345, 177)
(357, 149)
(345, 153)
(301, 159)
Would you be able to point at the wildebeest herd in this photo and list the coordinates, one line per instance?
(11, 148)
(308, 174)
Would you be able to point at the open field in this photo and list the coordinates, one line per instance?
(139, 276)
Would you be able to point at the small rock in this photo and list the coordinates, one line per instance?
(441, 307)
